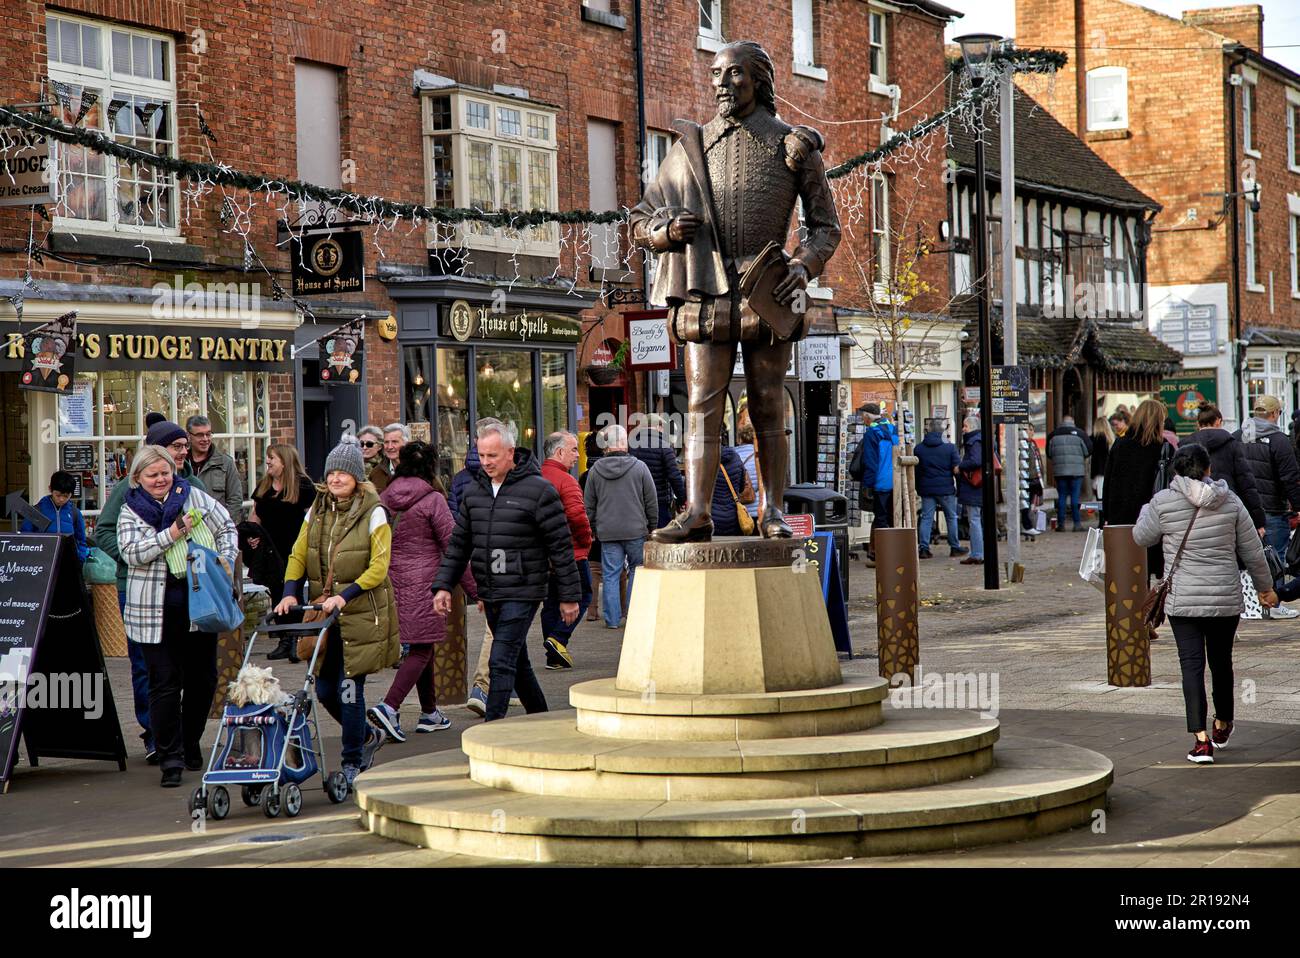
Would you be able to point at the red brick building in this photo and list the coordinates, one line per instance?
(1187, 109)
(493, 105)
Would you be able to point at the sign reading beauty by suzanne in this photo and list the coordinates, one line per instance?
(179, 347)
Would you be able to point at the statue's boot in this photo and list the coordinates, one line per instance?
(694, 523)
(772, 524)
(773, 457)
(688, 526)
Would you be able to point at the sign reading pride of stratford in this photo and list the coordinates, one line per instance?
(463, 321)
(819, 359)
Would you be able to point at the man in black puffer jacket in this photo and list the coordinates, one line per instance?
(1227, 460)
(512, 529)
(651, 446)
(1277, 476)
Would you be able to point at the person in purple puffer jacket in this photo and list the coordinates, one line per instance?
(422, 525)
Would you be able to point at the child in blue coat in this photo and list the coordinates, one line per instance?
(65, 518)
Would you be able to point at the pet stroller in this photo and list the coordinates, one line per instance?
(270, 751)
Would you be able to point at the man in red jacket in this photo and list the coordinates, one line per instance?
(561, 449)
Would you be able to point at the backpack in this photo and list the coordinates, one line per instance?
(855, 464)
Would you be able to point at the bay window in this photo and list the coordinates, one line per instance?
(121, 82)
(489, 152)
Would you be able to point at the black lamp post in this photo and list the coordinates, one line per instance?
(976, 50)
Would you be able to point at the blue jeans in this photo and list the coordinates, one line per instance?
(949, 506)
(508, 665)
(976, 532)
(553, 626)
(139, 681)
(612, 557)
(343, 698)
(1277, 533)
(1067, 487)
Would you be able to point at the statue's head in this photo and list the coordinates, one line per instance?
(743, 77)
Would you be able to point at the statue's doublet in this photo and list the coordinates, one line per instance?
(754, 192)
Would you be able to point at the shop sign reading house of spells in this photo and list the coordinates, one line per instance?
(325, 264)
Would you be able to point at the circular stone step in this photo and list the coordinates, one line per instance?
(606, 711)
(1036, 787)
(546, 755)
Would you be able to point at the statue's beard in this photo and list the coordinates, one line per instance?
(728, 107)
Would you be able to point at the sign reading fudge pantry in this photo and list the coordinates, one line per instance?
(169, 347)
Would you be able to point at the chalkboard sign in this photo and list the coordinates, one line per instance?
(822, 555)
(54, 692)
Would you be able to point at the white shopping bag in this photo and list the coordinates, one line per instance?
(1250, 598)
(1092, 566)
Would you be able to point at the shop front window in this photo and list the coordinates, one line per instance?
(217, 404)
(189, 396)
(454, 435)
(555, 393)
(119, 403)
(504, 389)
(419, 383)
(101, 423)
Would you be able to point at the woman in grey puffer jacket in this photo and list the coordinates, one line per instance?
(1204, 603)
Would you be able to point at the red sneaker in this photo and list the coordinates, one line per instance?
(1202, 753)
(1220, 735)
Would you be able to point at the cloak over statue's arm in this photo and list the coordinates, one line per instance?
(821, 222)
(650, 217)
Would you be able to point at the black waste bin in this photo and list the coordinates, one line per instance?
(830, 512)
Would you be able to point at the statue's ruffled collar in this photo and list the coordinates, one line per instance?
(761, 125)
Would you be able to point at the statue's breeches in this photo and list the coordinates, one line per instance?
(722, 320)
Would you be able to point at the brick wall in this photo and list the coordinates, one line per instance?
(1174, 147)
(237, 62)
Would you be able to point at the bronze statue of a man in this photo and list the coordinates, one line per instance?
(719, 210)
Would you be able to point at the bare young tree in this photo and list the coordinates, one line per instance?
(900, 338)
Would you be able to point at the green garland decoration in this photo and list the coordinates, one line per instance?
(378, 208)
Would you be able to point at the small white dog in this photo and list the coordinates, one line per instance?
(254, 686)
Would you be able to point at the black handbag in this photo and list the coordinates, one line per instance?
(1275, 567)
(1293, 552)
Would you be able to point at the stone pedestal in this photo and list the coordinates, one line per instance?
(729, 737)
(733, 615)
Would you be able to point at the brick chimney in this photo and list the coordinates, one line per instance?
(1245, 23)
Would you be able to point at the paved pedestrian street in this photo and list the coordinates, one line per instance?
(1040, 644)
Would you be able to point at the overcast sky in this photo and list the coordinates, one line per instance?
(1281, 21)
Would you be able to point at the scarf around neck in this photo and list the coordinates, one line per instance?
(157, 514)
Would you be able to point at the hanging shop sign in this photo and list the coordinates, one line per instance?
(325, 264)
(341, 354)
(49, 356)
(649, 345)
(1185, 395)
(99, 347)
(463, 322)
(1010, 395)
(819, 359)
(27, 171)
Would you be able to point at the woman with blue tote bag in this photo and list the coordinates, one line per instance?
(162, 514)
